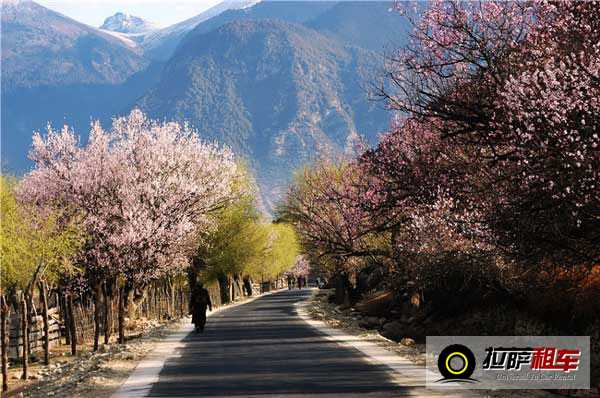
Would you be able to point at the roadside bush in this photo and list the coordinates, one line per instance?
(568, 297)
(451, 282)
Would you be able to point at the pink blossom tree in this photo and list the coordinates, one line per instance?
(301, 267)
(547, 112)
(489, 174)
(512, 89)
(141, 191)
(325, 206)
(337, 234)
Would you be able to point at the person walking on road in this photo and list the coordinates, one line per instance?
(199, 301)
(290, 281)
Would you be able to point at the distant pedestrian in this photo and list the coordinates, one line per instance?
(300, 282)
(321, 283)
(290, 281)
(199, 301)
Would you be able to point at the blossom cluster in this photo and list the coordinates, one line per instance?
(140, 191)
(492, 158)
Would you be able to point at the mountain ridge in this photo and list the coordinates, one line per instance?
(277, 92)
(160, 44)
(59, 51)
(282, 83)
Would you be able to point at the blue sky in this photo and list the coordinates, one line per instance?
(161, 12)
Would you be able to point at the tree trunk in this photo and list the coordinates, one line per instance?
(97, 315)
(135, 300)
(31, 313)
(122, 294)
(224, 289)
(237, 287)
(108, 322)
(342, 289)
(66, 320)
(181, 303)
(72, 325)
(171, 298)
(164, 304)
(44, 298)
(4, 313)
(25, 337)
(155, 303)
(81, 318)
(248, 286)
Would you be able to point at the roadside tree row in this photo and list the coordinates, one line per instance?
(485, 191)
(116, 229)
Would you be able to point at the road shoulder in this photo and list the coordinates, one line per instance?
(406, 363)
(403, 370)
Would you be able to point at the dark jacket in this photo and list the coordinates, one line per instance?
(200, 300)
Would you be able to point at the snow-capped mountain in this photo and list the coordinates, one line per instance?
(161, 43)
(279, 82)
(125, 23)
(58, 70)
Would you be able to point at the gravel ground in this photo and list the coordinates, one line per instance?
(90, 374)
(349, 320)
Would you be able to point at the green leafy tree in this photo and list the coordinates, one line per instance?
(281, 251)
(243, 246)
(33, 242)
(35, 247)
(237, 244)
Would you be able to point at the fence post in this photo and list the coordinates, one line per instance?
(72, 325)
(44, 297)
(4, 313)
(25, 337)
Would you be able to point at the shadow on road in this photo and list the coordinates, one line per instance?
(264, 348)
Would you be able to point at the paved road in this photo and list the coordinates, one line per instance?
(264, 349)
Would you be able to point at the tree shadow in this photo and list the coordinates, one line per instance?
(264, 348)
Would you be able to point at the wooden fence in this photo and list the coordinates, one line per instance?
(158, 303)
(36, 333)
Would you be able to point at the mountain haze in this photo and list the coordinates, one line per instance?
(43, 47)
(55, 69)
(277, 92)
(374, 25)
(282, 83)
